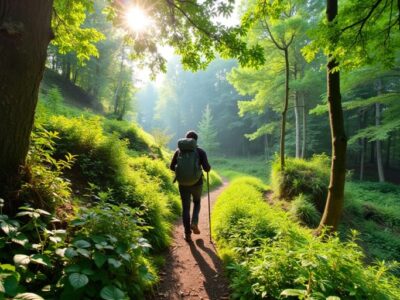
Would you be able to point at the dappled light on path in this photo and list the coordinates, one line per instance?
(193, 270)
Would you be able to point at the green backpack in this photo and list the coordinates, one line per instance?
(188, 171)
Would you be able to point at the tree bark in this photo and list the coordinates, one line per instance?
(389, 145)
(303, 147)
(378, 144)
(362, 146)
(335, 199)
(284, 112)
(25, 33)
(297, 121)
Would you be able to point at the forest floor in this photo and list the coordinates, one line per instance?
(193, 269)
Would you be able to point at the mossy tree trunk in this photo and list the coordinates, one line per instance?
(335, 199)
(25, 32)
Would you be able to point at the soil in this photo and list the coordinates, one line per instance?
(193, 269)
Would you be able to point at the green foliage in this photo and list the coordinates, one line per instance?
(304, 210)
(214, 179)
(105, 162)
(372, 208)
(106, 257)
(28, 245)
(284, 259)
(46, 187)
(54, 99)
(208, 132)
(69, 33)
(233, 167)
(308, 177)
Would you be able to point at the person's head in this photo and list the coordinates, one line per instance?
(191, 135)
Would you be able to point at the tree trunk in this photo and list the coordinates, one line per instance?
(335, 199)
(285, 108)
(297, 121)
(25, 33)
(303, 147)
(378, 144)
(389, 145)
(266, 148)
(362, 145)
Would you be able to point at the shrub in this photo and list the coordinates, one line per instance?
(304, 210)
(215, 181)
(107, 255)
(285, 259)
(308, 177)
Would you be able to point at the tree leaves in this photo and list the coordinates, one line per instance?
(110, 292)
(78, 280)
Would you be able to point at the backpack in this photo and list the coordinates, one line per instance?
(188, 171)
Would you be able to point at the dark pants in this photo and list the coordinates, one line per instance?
(186, 193)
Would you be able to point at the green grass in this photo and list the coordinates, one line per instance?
(373, 209)
(234, 167)
(268, 255)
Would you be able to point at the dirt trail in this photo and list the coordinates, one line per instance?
(193, 270)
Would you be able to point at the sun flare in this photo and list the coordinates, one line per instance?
(137, 19)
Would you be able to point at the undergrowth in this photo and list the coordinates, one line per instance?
(270, 256)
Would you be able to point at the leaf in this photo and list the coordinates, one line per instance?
(27, 296)
(333, 298)
(115, 263)
(11, 285)
(72, 269)
(21, 259)
(78, 280)
(99, 259)
(293, 292)
(20, 239)
(83, 252)
(110, 292)
(70, 253)
(42, 212)
(81, 244)
(41, 260)
(7, 228)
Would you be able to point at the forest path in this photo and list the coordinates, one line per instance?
(193, 270)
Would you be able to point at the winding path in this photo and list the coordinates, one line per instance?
(193, 270)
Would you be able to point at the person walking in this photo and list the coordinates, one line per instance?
(188, 163)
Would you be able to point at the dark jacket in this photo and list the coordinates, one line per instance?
(202, 160)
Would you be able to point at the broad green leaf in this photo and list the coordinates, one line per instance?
(293, 292)
(72, 269)
(11, 285)
(110, 292)
(99, 259)
(115, 263)
(83, 252)
(21, 259)
(20, 239)
(27, 296)
(70, 253)
(81, 244)
(41, 259)
(78, 280)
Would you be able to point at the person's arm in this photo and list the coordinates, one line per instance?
(204, 160)
(174, 161)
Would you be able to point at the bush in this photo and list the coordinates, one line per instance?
(304, 210)
(308, 177)
(269, 256)
(215, 181)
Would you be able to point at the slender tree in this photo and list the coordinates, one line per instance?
(335, 199)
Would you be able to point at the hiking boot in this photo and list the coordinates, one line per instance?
(187, 237)
(195, 229)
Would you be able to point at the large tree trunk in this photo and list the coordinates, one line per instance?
(25, 33)
(303, 146)
(285, 108)
(335, 199)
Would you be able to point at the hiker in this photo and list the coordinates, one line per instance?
(187, 164)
